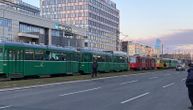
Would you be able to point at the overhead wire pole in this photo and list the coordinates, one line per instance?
(162, 50)
(121, 40)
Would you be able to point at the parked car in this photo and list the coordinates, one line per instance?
(180, 67)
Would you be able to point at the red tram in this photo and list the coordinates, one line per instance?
(142, 63)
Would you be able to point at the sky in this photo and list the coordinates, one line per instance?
(146, 20)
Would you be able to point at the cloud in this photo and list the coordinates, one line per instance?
(178, 40)
(185, 47)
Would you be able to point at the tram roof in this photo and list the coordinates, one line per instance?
(70, 49)
(22, 45)
(35, 46)
(117, 53)
(85, 50)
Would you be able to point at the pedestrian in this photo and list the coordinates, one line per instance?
(189, 84)
(165, 65)
(94, 68)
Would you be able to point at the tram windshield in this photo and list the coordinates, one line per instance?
(132, 59)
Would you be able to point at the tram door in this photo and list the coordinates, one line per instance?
(19, 62)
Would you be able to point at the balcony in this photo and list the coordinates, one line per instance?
(28, 35)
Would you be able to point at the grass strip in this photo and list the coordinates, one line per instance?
(49, 80)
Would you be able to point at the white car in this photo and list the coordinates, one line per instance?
(180, 67)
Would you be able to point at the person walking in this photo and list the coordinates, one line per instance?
(189, 84)
(94, 68)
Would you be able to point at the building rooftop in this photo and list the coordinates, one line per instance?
(20, 5)
(110, 2)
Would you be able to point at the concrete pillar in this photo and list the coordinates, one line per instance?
(50, 37)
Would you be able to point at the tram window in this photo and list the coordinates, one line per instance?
(87, 58)
(132, 60)
(60, 56)
(114, 59)
(5, 53)
(17, 54)
(29, 55)
(101, 59)
(69, 56)
(64, 56)
(47, 55)
(53, 56)
(108, 59)
(124, 59)
(75, 57)
(8, 55)
(121, 60)
(39, 55)
(11, 55)
(21, 55)
(118, 59)
(139, 60)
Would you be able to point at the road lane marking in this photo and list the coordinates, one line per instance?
(134, 98)
(129, 82)
(153, 78)
(171, 84)
(78, 81)
(69, 82)
(80, 91)
(167, 74)
(4, 107)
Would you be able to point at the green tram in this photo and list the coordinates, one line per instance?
(19, 60)
(88, 56)
(120, 61)
(169, 63)
(107, 61)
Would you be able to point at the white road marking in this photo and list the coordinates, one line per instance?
(78, 81)
(129, 82)
(134, 98)
(184, 79)
(80, 91)
(153, 78)
(171, 84)
(69, 82)
(4, 107)
(167, 74)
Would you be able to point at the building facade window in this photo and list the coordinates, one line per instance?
(6, 23)
(99, 17)
(56, 33)
(26, 28)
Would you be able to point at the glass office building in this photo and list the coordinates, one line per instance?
(100, 19)
(20, 22)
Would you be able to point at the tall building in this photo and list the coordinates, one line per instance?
(100, 19)
(20, 22)
(158, 47)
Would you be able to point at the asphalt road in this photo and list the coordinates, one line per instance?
(160, 90)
